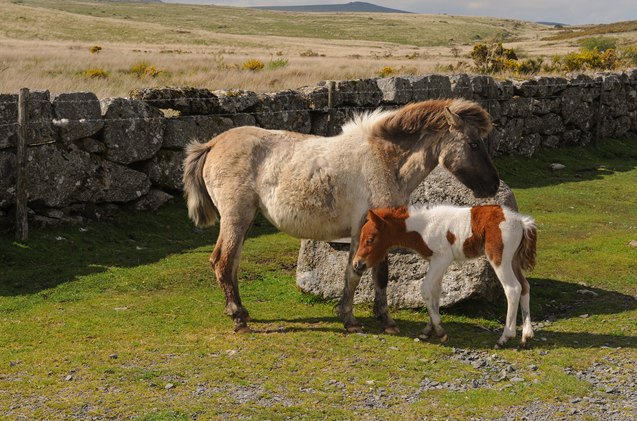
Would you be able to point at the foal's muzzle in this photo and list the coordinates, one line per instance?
(359, 266)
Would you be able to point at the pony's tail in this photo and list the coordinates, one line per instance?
(526, 252)
(201, 210)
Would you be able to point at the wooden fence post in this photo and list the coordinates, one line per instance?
(22, 224)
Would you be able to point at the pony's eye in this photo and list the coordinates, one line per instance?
(474, 145)
(369, 241)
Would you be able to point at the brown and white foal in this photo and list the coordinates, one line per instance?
(443, 234)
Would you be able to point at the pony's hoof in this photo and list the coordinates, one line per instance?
(354, 329)
(392, 330)
(524, 345)
(243, 329)
(443, 338)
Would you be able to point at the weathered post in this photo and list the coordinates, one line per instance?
(22, 225)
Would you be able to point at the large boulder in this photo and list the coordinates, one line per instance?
(321, 266)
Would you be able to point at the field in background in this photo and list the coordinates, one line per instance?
(47, 45)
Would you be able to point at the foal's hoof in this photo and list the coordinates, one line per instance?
(524, 345)
(392, 330)
(443, 338)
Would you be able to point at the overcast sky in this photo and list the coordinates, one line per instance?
(563, 11)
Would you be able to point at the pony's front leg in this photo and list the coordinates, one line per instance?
(345, 307)
(380, 274)
(430, 289)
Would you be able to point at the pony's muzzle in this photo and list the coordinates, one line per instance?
(359, 265)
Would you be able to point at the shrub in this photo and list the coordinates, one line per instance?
(601, 44)
(386, 71)
(279, 63)
(95, 49)
(144, 69)
(95, 73)
(590, 60)
(253, 65)
(493, 58)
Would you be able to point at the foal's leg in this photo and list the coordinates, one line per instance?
(346, 304)
(527, 329)
(225, 262)
(512, 290)
(380, 274)
(430, 289)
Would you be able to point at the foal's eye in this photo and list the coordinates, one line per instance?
(369, 241)
(474, 145)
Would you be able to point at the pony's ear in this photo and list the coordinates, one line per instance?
(453, 119)
(377, 220)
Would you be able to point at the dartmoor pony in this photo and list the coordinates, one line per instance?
(443, 234)
(321, 187)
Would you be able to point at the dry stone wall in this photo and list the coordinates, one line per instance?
(89, 157)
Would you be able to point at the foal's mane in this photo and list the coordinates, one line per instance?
(429, 116)
(400, 212)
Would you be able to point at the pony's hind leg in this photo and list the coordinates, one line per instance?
(380, 274)
(525, 296)
(512, 290)
(225, 262)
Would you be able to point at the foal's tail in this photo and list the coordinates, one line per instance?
(525, 254)
(201, 210)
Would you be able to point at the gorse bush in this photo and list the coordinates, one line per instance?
(253, 65)
(95, 74)
(386, 71)
(493, 58)
(95, 49)
(588, 60)
(144, 69)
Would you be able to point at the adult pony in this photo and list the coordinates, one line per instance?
(321, 187)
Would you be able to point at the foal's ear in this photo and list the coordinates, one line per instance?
(453, 119)
(377, 220)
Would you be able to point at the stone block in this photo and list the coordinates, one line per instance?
(186, 100)
(133, 130)
(77, 115)
(180, 131)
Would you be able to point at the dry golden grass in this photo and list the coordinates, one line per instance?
(47, 45)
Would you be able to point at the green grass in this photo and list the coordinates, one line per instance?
(173, 22)
(101, 322)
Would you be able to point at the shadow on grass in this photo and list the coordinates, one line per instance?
(57, 255)
(581, 164)
(551, 301)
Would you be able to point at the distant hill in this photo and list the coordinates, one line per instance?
(356, 6)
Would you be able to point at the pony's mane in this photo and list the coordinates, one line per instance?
(365, 122)
(419, 117)
(400, 212)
